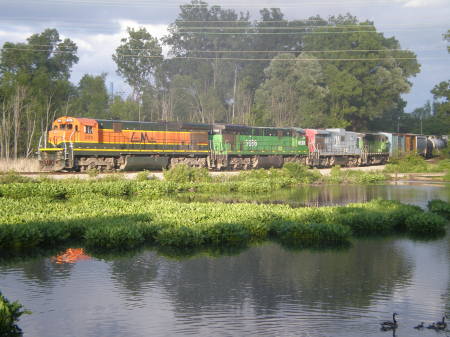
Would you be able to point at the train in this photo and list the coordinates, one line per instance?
(81, 144)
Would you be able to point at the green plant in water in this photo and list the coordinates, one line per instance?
(9, 317)
(439, 207)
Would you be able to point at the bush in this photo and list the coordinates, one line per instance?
(300, 173)
(410, 163)
(9, 316)
(439, 207)
(426, 224)
(183, 174)
(143, 175)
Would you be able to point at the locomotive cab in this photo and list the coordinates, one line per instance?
(64, 134)
(69, 129)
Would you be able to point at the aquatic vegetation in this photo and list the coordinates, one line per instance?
(10, 313)
(439, 207)
(425, 224)
(101, 222)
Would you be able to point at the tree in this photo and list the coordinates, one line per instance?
(91, 97)
(370, 86)
(447, 38)
(34, 83)
(293, 93)
(137, 59)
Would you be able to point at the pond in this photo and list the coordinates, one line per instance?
(266, 290)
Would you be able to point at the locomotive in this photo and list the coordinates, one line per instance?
(80, 144)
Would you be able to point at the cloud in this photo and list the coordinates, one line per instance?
(423, 3)
(95, 51)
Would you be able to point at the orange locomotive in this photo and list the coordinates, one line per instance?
(84, 143)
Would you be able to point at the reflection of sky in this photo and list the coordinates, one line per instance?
(424, 299)
(216, 296)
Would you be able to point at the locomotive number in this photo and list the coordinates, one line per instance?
(301, 142)
(251, 143)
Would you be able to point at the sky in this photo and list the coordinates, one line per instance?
(97, 26)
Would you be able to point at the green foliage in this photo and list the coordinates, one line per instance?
(36, 81)
(10, 313)
(184, 174)
(426, 224)
(92, 172)
(138, 71)
(13, 177)
(439, 207)
(339, 176)
(143, 175)
(408, 164)
(300, 173)
(91, 215)
(91, 98)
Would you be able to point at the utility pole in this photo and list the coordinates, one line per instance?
(234, 93)
(420, 124)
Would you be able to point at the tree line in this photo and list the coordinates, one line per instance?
(222, 67)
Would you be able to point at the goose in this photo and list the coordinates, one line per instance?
(420, 326)
(388, 325)
(439, 325)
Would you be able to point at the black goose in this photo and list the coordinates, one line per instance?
(439, 325)
(420, 326)
(388, 325)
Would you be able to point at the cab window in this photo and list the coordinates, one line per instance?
(55, 127)
(88, 129)
(69, 126)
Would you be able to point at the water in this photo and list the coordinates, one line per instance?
(331, 195)
(265, 290)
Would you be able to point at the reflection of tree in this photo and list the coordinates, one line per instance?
(135, 272)
(269, 275)
(329, 195)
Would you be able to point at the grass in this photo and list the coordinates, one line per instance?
(339, 176)
(414, 163)
(10, 313)
(56, 214)
(19, 165)
(178, 180)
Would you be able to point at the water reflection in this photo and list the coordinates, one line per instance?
(330, 195)
(70, 255)
(266, 290)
